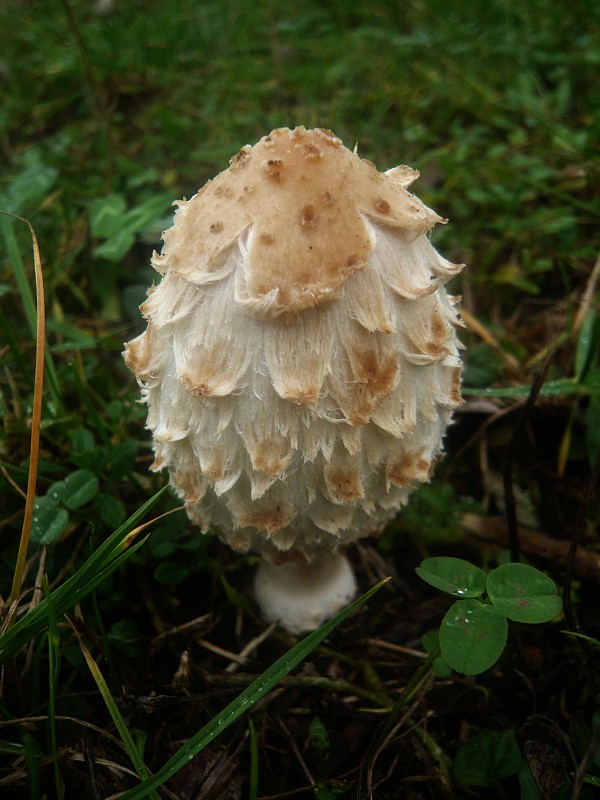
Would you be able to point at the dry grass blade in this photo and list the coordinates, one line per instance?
(36, 414)
(587, 298)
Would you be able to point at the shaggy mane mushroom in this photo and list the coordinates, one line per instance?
(300, 362)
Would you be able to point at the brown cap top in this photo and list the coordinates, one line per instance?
(303, 195)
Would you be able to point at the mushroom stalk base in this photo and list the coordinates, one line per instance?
(300, 597)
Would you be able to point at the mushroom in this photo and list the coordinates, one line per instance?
(300, 363)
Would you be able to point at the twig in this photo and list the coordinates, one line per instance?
(397, 648)
(587, 298)
(213, 648)
(509, 498)
(297, 752)
(584, 764)
(252, 645)
(532, 542)
(570, 618)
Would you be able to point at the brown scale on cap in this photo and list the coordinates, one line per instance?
(305, 194)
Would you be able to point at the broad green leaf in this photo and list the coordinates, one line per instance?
(106, 215)
(54, 494)
(31, 184)
(110, 509)
(523, 594)
(125, 635)
(528, 784)
(48, 523)
(122, 460)
(453, 575)
(115, 248)
(172, 572)
(111, 220)
(79, 488)
(431, 642)
(472, 636)
(82, 440)
(486, 758)
(146, 213)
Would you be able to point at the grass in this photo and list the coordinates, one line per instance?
(121, 637)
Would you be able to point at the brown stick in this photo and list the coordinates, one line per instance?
(494, 530)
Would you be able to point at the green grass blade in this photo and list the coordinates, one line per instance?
(14, 254)
(66, 597)
(32, 757)
(126, 737)
(244, 701)
(105, 560)
(557, 388)
(53, 642)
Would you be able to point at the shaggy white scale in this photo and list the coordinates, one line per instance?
(300, 362)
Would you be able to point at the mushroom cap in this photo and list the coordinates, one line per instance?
(304, 195)
(300, 362)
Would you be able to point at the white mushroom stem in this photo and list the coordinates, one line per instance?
(303, 596)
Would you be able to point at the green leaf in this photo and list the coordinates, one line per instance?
(111, 220)
(79, 488)
(54, 494)
(49, 522)
(31, 184)
(82, 440)
(146, 212)
(453, 575)
(431, 642)
(234, 597)
(122, 460)
(523, 594)
(106, 215)
(172, 572)
(115, 248)
(472, 636)
(124, 635)
(319, 738)
(486, 758)
(110, 509)
(528, 784)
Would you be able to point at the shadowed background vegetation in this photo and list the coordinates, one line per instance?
(110, 111)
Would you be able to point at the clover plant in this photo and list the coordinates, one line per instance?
(473, 632)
